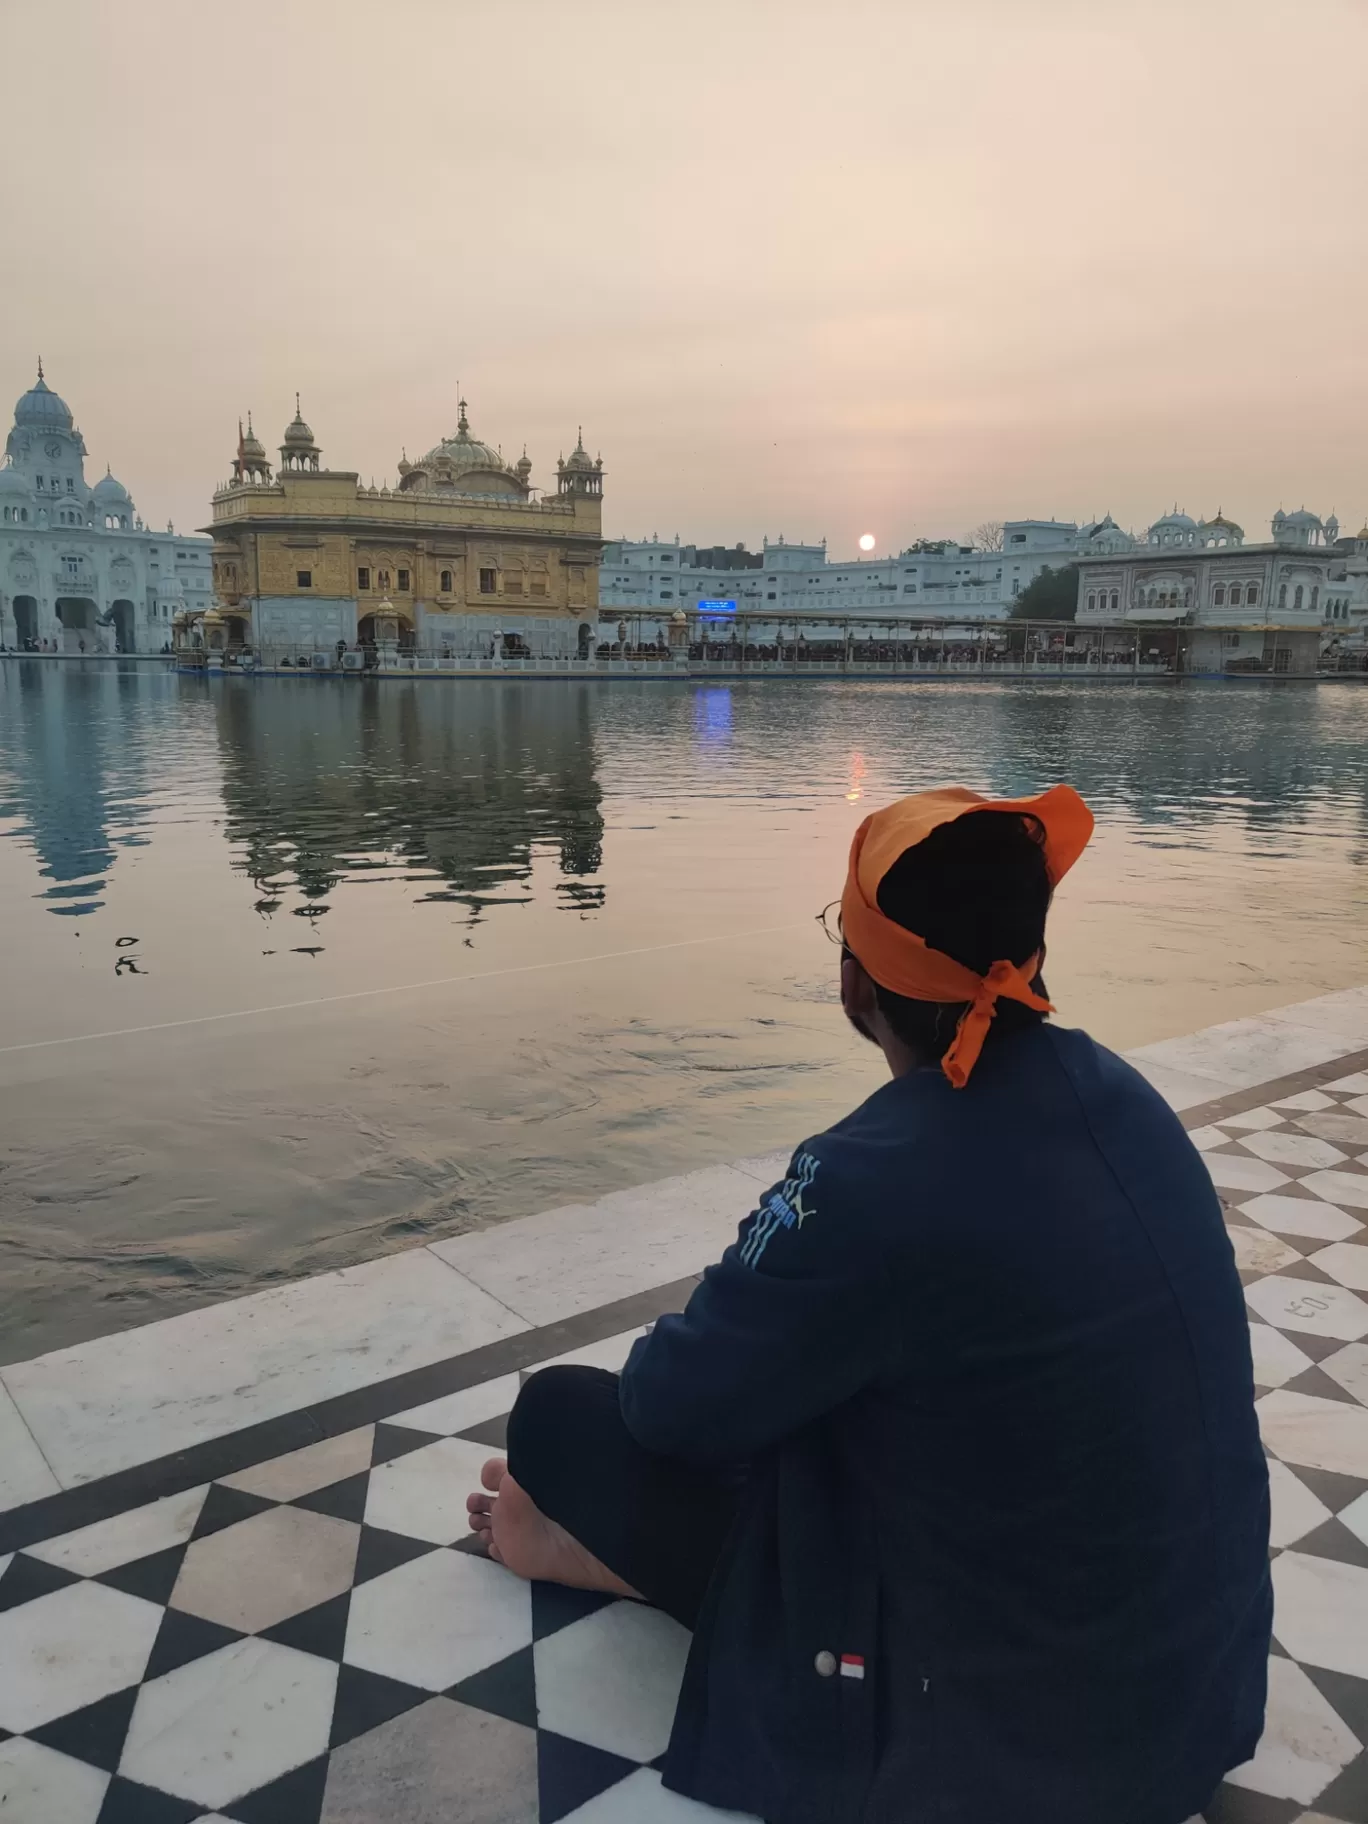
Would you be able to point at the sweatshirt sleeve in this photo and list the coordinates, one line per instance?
(793, 1321)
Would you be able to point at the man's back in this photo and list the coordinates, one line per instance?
(1010, 1343)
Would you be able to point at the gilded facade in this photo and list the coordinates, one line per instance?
(463, 556)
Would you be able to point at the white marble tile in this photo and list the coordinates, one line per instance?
(1302, 1150)
(1357, 1084)
(612, 1679)
(768, 1168)
(1308, 1100)
(1204, 1138)
(1252, 1121)
(70, 1648)
(459, 1411)
(301, 1472)
(1322, 1434)
(40, 1786)
(136, 1534)
(1242, 1053)
(1276, 1357)
(278, 1563)
(424, 1493)
(1345, 1261)
(1343, 1014)
(1344, 1129)
(609, 1353)
(142, 1394)
(1305, 1742)
(1302, 1216)
(438, 1619)
(1179, 1088)
(5, 1561)
(1256, 1251)
(1340, 1187)
(546, 1267)
(1355, 1517)
(641, 1799)
(1349, 1366)
(1238, 1172)
(24, 1473)
(1320, 1612)
(1305, 1305)
(226, 1724)
(1359, 1104)
(1296, 1510)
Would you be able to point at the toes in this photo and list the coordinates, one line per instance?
(493, 1473)
(478, 1504)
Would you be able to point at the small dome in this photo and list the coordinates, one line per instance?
(1302, 518)
(298, 436)
(41, 408)
(579, 458)
(108, 492)
(1175, 521)
(12, 482)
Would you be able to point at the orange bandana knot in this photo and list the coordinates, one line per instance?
(899, 960)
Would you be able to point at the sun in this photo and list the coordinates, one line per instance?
(866, 541)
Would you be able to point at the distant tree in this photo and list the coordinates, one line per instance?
(1051, 596)
(988, 536)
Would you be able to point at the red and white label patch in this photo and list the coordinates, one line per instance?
(852, 1665)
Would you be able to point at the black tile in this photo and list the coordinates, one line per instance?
(569, 1774)
(555, 1607)
(295, 1798)
(507, 1689)
(26, 1578)
(1305, 1269)
(1317, 1347)
(1347, 1697)
(1332, 1539)
(1233, 1805)
(95, 1734)
(321, 1631)
(1319, 1385)
(225, 1507)
(345, 1500)
(125, 1802)
(470, 1542)
(493, 1432)
(152, 1578)
(1332, 1487)
(1346, 1797)
(393, 1441)
(182, 1638)
(380, 1551)
(365, 1700)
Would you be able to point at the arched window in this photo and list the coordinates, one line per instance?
(1251, 595)
(1234, 595)
(446, 582)
(1282, 595)
(1315, 597)
(1218, 595)
(1297, 599)
(1115, 600)
(1092, 602)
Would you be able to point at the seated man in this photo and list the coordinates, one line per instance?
(951, 1463)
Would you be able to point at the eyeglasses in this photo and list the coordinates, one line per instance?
(829, 918)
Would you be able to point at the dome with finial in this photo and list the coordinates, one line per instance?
(579, 458)
(252, 446)
(524, 464)
(461, 452)
(298, 436)
(110, 493)
(41, 409)
(12, 482)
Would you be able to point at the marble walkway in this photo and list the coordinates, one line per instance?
(235, 1581)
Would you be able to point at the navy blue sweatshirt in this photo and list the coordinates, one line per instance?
(1003, 1554)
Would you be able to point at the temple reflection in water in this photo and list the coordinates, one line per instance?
(327, 788)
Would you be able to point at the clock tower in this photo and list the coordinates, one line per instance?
(46, 447)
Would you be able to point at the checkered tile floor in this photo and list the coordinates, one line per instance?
(314, 1638)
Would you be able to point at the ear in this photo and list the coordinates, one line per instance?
(857, 993)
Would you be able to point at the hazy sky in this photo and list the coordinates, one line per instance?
(797, 267)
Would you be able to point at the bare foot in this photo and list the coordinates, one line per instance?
(520, 1537)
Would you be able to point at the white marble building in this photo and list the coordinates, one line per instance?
(936, 579)
(79, 571)
(1237, 600)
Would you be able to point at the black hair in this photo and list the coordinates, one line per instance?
(978, 890)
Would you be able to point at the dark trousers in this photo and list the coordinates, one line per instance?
(659, 1524)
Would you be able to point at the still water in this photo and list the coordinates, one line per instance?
(299, 972)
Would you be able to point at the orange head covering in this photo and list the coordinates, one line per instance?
(898, 959)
